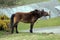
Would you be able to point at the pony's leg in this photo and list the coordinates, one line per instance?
(12, 30)
(16, 29)
(31, 27)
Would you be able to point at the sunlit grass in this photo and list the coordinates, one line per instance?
(30, 36)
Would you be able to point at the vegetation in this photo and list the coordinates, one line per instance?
(4, 25)
(19, 2)
(4, 22)
(4, 17)
(59, 0)
(29, 36)
(23, 2)
(41, 23)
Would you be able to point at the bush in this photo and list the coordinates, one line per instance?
(5, 25)
(4, 17)
(4, 22)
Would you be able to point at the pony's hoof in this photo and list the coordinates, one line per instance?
(31, 31)
(17, 32)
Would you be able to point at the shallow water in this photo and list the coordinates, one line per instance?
(55, 30)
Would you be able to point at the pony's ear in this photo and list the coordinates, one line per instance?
(42, 10)
(36, 10)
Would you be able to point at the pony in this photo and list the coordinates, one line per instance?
(29, 17)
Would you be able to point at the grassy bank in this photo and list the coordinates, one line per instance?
(41, 23)
(30, 36)
(19, 2)
(23, 2)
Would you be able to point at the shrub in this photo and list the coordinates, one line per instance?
(4, 17)
(4, 25)
(4, 22)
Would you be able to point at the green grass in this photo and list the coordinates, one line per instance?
(30, 36)
(41, 23)
(19, 2)
(23, 2)
(59, 0)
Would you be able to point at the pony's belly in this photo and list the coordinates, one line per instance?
(25, 21)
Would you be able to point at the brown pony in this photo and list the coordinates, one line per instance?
(30, 17)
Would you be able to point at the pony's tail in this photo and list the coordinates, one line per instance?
(12, 20)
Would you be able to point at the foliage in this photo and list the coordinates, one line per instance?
(4, 22)
(4, 25)
(4, 17)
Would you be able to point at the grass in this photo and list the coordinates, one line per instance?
(41, 23)
(23, 2)
(30, 36)
(19, 2)
(59, 0)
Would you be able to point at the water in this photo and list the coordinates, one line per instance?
(55, 30)
(48, 6)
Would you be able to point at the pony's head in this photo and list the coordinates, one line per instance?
(39, 13)
(44, 13)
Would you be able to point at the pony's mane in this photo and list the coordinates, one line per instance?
(34, 11)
